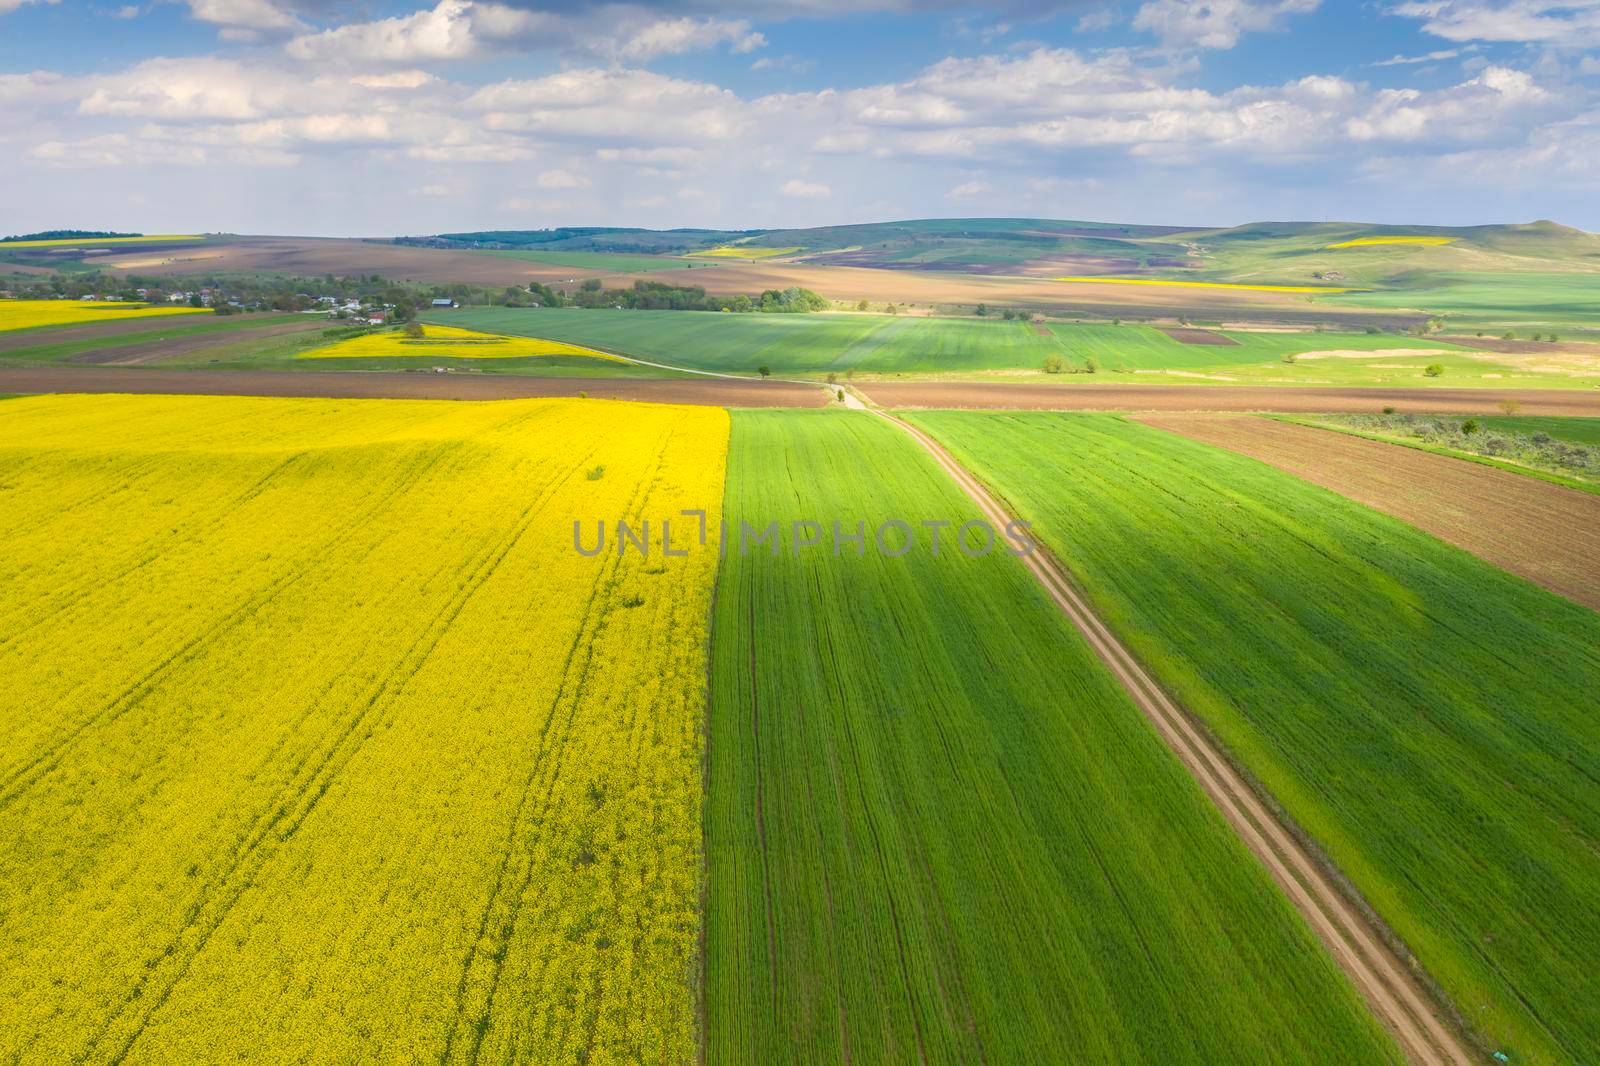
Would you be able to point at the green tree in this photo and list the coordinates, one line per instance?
(1054, 364)
(1434, 370)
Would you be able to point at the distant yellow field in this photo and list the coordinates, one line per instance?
(95, 242)
(25, 314)
(743, 252)
(1205, 285)
(1368, 242)
(451, 343)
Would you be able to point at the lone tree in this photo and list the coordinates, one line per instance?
(764, 370)
(861, 305)
(1434, 370)
(413, 330)
(1054, 364)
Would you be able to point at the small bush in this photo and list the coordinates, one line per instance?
(1090, 366)
(1470, 426)
(596, 474)
(1291, 358)
(1388, 410)
(1434, 370)
(1054, 364)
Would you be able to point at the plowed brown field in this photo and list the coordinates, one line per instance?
(719, 392)
(1543, 532)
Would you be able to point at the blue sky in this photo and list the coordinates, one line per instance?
(344, 118)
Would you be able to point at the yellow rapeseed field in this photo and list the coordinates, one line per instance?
(322, 744)
(1368, 242)
(741, 251)
(451, 343)
(1205, 284)
(96, 242)
(25, 314)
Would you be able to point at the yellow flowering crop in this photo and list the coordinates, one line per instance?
(1367, 242)
(452, 343)
(742, 251)
(25, 314)
(324, 745)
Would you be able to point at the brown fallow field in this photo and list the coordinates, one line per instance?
(1547, 533)
(403, 385)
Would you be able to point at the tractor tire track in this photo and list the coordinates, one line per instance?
(282, 816)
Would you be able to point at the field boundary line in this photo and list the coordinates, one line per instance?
(1391, 991)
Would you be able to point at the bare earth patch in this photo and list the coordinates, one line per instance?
(1516, 347)
(1358, 353)
(1198, 336)
(718, 392)
(1546, 533)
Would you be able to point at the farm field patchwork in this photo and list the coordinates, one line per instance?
(701, 340)
(29, 314)
(936, 827)
(451, 342)
(96, 242)
(1424, 716)
(815, 345)
(457, 818)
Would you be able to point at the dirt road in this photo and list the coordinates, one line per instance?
(1382, 978)
(719, 392)
(1305, 400)
(1546, 533)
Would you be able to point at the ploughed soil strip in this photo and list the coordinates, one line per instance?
(1516, 347)
(1544, 532)
(1198, 336)
(980, 395)
(1389, 988)
(156, 349)
(717, 392)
